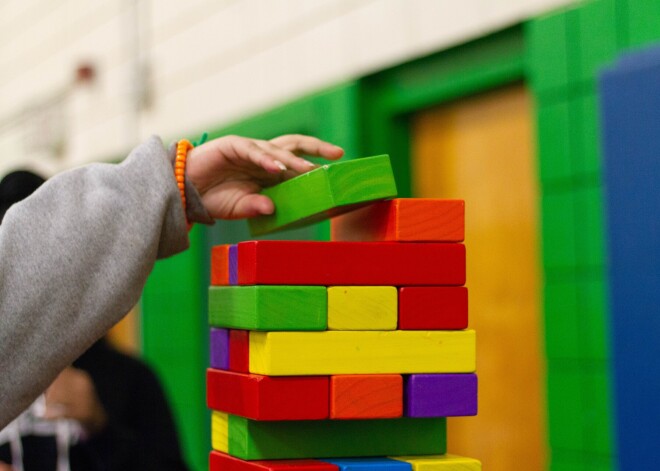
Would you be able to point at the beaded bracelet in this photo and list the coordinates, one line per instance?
(182, 148)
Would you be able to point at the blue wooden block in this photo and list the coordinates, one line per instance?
(219, 347)
(233, 264)
(369, 464)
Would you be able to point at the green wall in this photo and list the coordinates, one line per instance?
(558, 56)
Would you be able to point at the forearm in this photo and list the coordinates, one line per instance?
(73, 260)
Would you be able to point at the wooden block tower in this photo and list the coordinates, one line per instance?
(345, 355)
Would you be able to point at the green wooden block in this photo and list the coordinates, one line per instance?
(562, 333)
(326, 192)
(268, 307)
(547, 41)
(565, 405)
(554, 141)
(257, 440)
(558, 230)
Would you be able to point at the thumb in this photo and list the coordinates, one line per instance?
(253, 205)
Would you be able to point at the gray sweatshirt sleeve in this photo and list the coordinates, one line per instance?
(73, 260)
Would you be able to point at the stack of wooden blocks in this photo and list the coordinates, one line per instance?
(342, 355)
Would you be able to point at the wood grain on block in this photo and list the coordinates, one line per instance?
(264, 440)
(239, 351)
(433, 308)
(370, 464)
(233, 264)
(267, 398)
(365, 352)
(272, 262)
(362, 308)
(403, 220)
(223, 462)
(441, 463)
(219, 347)
(441, 395)
(366, 396)
(325, 192)
(220, 265)
(268, 307)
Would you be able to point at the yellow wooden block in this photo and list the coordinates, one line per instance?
(362, 308)
(440, 463)
(220, 431)
(362, 352)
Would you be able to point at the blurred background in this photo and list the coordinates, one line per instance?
(491, 101)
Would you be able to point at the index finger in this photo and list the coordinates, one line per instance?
(298, 143)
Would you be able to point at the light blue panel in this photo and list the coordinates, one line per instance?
(370, 464)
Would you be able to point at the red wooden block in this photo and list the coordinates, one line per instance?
(433, 308)
(403, 220)
(222, 462)
(220, 265)
(261, 397)
(273, 262)
(239, 351)
(366, 396)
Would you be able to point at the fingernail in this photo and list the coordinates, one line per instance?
(310, 164)
(280, 165)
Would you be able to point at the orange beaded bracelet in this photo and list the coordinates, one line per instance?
(182, 148)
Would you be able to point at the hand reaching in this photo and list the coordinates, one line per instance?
(229, 172)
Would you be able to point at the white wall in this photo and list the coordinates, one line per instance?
(209, 61)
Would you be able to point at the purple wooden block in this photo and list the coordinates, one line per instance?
(219, 349)
(441, 395)
(233, 264)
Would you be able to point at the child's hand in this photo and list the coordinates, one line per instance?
(229, 172)
(73, 396)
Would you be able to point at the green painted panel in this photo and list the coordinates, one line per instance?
(251, 439)
(597, 37)
(175, 342)
(325, 192)
(558, 231)
(565, 50)
(594, 323)
(585, 134)
(268, 307)
(597, 417)
(642, 18)
(567, 460)
(554, 142)
(546, 39)
(589, 214)
(566, 405)
(562, 321)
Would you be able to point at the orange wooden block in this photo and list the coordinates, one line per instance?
(403, 220)
(220, 265)
(366, 396)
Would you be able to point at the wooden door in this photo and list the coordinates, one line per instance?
(480, 149)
